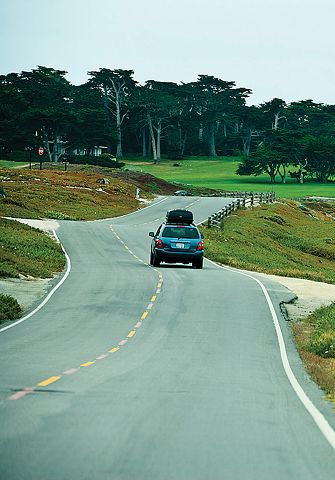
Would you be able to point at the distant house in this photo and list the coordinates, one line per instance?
(60, 148)
(96, 151)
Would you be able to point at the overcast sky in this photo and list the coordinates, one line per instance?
(278, 48)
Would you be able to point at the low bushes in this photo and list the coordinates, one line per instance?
(104, 160)
(9, 308)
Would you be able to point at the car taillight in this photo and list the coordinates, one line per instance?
(200, 245)
(158, 243)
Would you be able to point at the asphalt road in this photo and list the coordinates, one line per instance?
(130, 372)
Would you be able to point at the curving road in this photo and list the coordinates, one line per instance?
(130, 372)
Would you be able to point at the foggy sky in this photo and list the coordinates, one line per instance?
(282, 48)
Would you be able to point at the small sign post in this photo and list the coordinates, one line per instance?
(40, 152)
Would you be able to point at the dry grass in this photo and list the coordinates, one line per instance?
(306, 332)
(64, 195)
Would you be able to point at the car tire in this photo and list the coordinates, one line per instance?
(198, 264)
(155, 261)
(151, 259)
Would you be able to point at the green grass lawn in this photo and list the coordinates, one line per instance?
(9, 164)
(220, 173)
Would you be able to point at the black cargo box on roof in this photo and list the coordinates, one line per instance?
(184, 217)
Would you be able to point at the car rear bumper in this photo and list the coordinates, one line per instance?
(175, 257)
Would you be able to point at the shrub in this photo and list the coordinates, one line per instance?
(104, 160)
(9, 308)
(322, 341)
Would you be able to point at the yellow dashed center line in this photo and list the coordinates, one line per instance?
(114, 349)
(48, 381)
(131, 334)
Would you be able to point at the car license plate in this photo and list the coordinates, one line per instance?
(180, 245)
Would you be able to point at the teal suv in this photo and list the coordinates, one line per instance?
(176, 243)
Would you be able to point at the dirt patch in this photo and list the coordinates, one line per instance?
(311, 295)
(26, 291)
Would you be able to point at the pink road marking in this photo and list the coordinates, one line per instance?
(70, 371)
(20, 394)
(138, 325)
(104, 355)
(123, 342)
(149, 307)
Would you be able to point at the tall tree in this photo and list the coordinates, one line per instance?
(215, 100)
(275, 112)
(48, 114)
(159, 106)
(44, 106)
(115, 86)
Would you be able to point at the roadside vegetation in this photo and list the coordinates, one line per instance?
(284, 238)
(9, 308)
(27, 251)
(315, 338)
(77, 194)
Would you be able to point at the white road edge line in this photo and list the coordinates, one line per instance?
(47, 298)
(317, 416)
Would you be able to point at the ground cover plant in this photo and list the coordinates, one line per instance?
(285, 238)
(220, 173)
(28, 251)
(64, 195)
(315, 338)
(9, 308)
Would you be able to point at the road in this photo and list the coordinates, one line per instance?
(130, 372)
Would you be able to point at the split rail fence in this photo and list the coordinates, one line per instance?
(243, 199)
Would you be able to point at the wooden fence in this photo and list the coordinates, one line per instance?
(243, 199)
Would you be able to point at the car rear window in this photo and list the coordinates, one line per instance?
(180, 232)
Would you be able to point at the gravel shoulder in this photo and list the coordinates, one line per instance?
(310, 295)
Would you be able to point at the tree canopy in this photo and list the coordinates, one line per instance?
(208, 116)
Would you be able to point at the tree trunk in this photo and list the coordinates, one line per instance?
(159, 133)
(282, 175)
(152, 136)
(108, 120)
(211, 140)
(144, 143)
(247, 144)
(201, 133)
(46, 143)
(118, 127)
(182, 150)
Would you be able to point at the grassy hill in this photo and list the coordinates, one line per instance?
(220, 173)
(81, 193)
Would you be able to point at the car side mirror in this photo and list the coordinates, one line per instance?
(202, 236)
(151, 234)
